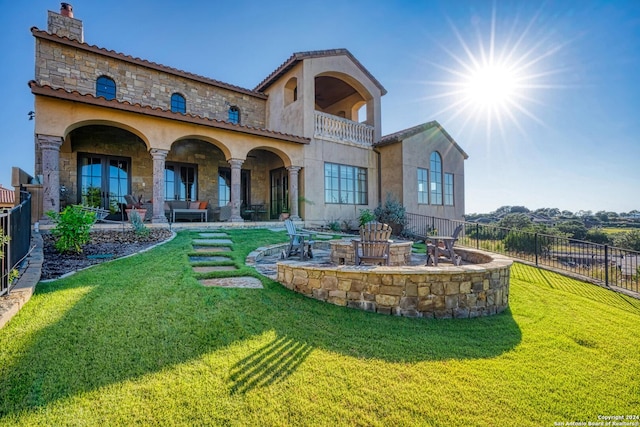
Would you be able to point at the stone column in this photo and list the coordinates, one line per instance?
(236, 168)
(159, 157)
(293, 192)
(50, 149)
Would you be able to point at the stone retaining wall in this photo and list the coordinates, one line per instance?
(445, 291)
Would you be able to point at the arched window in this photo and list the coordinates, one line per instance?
(105, 86)
(234, 115)
(291, 91)
(178, 103)
(436, 178)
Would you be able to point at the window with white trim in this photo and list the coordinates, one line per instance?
(448, 189)
(423, 186)
(436, 178)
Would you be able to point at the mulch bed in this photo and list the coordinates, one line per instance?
(104, 246)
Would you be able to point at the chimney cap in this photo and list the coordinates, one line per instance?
(66, 9)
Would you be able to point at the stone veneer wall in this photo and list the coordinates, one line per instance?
(65, 26)
(72, 68)
(414, 291)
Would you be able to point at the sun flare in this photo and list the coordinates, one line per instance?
(493, 81)
(491, 86)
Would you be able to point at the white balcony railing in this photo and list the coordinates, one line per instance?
(342, 130)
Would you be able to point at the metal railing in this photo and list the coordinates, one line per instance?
(602, 264)
(336, 128)
(15, 224)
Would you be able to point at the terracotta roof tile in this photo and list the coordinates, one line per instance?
(142, 62)
(299, 56)
(401, 135)
(7, 196)
(60, 93)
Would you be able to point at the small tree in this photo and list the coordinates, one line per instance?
(365, 216)
(519, 221)
(72, 228)
(628, 240)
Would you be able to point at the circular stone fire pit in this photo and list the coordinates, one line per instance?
(342, 252)
(478, 287)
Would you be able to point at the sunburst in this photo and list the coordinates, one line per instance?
(495, 84)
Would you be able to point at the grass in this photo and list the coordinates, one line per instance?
(140, 341)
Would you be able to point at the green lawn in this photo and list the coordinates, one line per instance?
(140, 341)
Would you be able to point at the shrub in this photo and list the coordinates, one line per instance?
(138, 225)
(596, 235)
(72, 228)
(628, 240)
(334, 225)
(524, 241)
(365, 216)
(392, 213)
(4, 239)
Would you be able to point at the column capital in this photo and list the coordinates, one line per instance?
(49, 142)
(294, 169)
(236, 163)
(158, 153)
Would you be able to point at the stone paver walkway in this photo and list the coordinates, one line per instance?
(222, 239)
(233, 282)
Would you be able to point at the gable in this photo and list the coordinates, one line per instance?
(429, 129)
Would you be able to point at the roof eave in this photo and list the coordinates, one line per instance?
(75, 96)
(142, 62)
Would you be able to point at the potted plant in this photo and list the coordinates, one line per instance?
(284, 211)
(135, 204)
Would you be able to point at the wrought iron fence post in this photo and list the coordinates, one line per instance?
(477, 236)
(606, 265)
(535, 242)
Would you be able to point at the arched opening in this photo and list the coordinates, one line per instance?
(98, 165)
(266, 192)
(333, 96)
(342, 109)
(291, 91)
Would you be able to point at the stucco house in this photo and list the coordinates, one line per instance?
(108, 124)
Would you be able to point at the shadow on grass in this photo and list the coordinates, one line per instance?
(130, 321)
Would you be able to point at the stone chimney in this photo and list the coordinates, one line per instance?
(64, 24)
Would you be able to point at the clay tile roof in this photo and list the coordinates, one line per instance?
(6, 196)
(142, 62)
(407, 133)
(300, 56)
(60, 93)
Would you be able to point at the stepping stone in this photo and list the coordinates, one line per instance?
(212, 249)
(213, 235)
(233, 282)
(212, 269)
(208, 258)
(322, 236)
(212, 242)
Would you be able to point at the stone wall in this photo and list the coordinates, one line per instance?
(65, 26)
(414, 291)
(77, 68)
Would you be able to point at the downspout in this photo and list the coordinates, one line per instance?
(379, 158)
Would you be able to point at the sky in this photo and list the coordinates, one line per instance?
(544, 96)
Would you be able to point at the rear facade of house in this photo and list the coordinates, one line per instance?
(108, 125)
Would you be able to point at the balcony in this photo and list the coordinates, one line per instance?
(337, 129)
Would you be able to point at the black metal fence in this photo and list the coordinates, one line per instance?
(15, 224)
(602, 264)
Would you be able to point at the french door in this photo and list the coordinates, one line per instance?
(103, 180)
(279, 192)
(180, 181)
